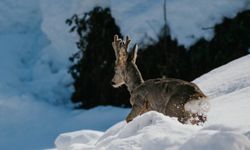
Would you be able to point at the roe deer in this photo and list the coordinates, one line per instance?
(172, 97)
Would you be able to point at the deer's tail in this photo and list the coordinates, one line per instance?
(198, 108)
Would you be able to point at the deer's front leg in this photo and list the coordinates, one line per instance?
(139, 106)
(136, 110)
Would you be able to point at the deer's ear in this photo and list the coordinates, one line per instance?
(133, 54)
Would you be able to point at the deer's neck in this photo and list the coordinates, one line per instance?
(133, 77)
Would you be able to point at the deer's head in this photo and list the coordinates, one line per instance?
(123, 60)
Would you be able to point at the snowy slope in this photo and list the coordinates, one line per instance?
(35, 46)
(224, 80)
(227, 128)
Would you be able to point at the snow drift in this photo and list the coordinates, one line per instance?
(153, 130)
(227, 128)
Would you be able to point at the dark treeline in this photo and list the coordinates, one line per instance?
(92, 66)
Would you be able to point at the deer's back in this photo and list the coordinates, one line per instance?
(165, 95)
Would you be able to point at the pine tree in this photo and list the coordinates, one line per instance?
(164, 58)
(230, 41)
(92, 66)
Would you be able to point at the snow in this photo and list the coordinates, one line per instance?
(153, 130)
(187, 19)
(24, 67)
(228, 124)
(35, 46)
(27, 124)
(227, 79)
(234, 106)
(204, 15)
(79, 137)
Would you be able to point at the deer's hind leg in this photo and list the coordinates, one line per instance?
(175, 108)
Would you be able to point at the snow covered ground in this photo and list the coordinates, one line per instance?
(35, 46)
(227, 128)
(27, 124)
